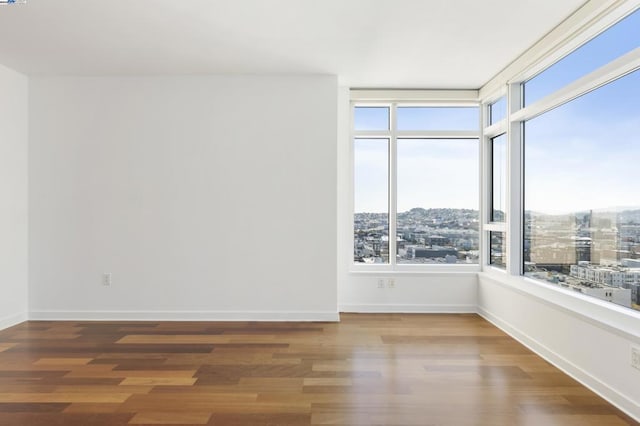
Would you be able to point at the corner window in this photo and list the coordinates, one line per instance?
(581, 218)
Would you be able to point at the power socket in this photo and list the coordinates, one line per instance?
(380, 283)
(391, 283)
(106, 279)
(635, 357)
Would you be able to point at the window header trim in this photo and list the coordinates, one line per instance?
(419, 97)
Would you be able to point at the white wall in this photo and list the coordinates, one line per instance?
(13, 197)
(206, 197)
(589, 339)
(406, 292)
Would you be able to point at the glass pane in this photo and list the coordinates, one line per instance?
(582, 205)
(621, 38)
(437, 201)
(371, 201)
(371, 118)
(498, 178)
(498, 110)
(438, 118)
(498, 251)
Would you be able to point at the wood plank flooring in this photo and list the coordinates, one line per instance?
(369, 369)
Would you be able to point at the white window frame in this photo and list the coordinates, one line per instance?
(412, 98)
(489, 132)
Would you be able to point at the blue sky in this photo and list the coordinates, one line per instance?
(586, 154)
(609, 45)
(431, 173)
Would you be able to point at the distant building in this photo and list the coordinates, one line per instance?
(620, 296)
(437, 240)
(635, 294)
(429, 253)
(611, 276)
(630, 263)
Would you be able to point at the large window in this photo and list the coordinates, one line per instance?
(581, 218)
(416, 171)
(582, 197)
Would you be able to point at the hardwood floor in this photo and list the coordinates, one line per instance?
(376, 369)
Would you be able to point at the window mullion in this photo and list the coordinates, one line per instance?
(393, 181)
(485, 190)
(515, 179)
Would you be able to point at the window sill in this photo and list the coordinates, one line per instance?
(609, 316)
(414, 269)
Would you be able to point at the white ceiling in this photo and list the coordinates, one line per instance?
(367, 43)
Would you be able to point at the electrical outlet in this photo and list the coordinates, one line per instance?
(391, 283)
(380, 283)
(635, 357)
(106, 279)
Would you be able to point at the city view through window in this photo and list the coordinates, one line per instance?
(436, 192)
(425, 236)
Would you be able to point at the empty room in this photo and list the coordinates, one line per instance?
(338, 212)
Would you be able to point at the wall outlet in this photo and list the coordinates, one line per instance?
(106, 279)
(391, 283)
(380, 283)
(635, 357)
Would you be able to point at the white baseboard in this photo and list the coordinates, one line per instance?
(406, 309)
(12, 320)
(184, 316)
(621, 401)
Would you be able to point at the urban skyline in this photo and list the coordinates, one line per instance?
(596, 252)
(423, 236)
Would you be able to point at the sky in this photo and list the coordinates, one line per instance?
(432, 173)
(609, 45)
(586, 154)
(582, 155)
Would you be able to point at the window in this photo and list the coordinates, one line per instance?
(437, 195)
(498, 110)
(581, 216)
(416, 184)
(371, 118)
(495, 206)
(497, 249)
(582, 199)
(498, 178)
(371, 201)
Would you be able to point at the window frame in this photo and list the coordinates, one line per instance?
(582, 27)
(408, 98)
(491, 131)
